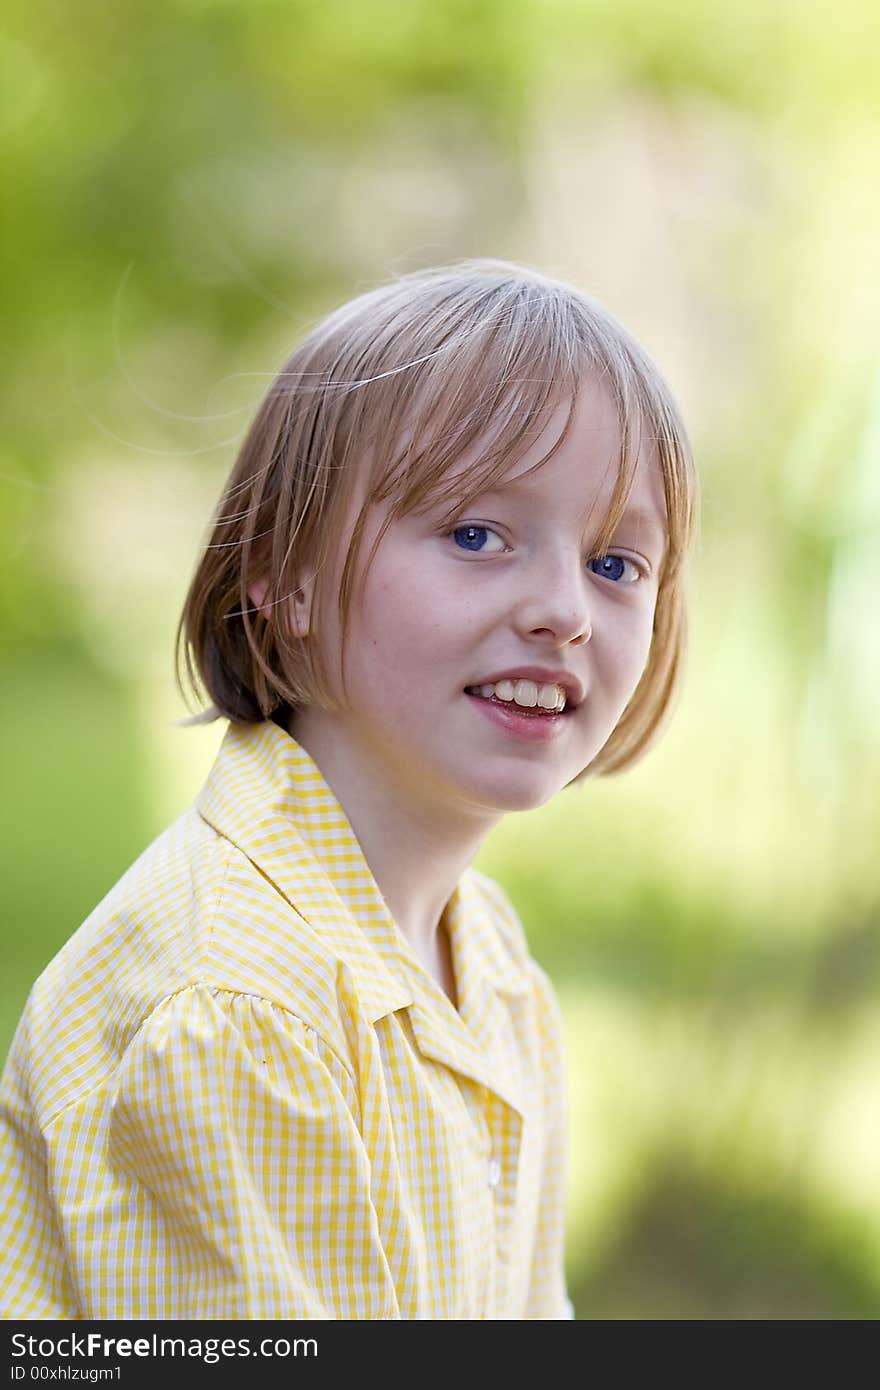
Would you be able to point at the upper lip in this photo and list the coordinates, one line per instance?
(541, 675)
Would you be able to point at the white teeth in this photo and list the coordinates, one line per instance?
(526, 693)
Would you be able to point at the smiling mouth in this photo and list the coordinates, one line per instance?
(534, 711)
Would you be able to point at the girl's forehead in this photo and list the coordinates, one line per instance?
(576, 439)
(513, 448)
(580, 441)
(586, 497)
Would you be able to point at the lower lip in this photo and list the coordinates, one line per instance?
(538, 728)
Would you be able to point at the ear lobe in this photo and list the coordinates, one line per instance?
(299, 605)
(257, 595)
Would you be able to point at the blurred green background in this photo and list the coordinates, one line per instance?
(188, 185)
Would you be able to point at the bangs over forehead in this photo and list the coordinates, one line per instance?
(480, 371)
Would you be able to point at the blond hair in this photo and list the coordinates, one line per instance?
(389, 392)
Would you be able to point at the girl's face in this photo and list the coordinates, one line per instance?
(513, 590)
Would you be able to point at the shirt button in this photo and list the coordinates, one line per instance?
(494, 1177)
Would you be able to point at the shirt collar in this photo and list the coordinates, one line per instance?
(267, 795)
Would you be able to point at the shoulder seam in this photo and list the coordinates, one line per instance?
(228, 850)
(213, 989)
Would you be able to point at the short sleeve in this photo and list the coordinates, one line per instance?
(34, 1279)
(242, 1182)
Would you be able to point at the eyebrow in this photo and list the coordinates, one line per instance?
(637, 516)
(646, 521)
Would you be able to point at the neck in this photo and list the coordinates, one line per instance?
(416, 847)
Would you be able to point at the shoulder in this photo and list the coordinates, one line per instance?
(203, 1032)
(192, 912)
(140, 943)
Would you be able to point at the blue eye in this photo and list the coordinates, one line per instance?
(473, 537)
(613, 567)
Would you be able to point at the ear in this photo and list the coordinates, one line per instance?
(299, 604)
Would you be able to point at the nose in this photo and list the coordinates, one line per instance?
(555, 606)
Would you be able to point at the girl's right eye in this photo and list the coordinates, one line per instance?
(474, 538)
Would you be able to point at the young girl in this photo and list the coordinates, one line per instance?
(299, 1062)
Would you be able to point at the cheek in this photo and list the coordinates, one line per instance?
(410, 608)
(643, 636)
(393, 628)
(640, 652)
(627, 652)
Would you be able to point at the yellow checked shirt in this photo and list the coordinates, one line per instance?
(236, 1093)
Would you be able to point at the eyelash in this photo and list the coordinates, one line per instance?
(610, 555)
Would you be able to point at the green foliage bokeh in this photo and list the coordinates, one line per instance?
(187, 186)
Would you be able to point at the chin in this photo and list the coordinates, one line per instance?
(515, 794)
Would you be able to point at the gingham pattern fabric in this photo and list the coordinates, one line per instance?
(237, 1093)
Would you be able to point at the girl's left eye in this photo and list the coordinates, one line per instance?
(474, 538)
(614, 567)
